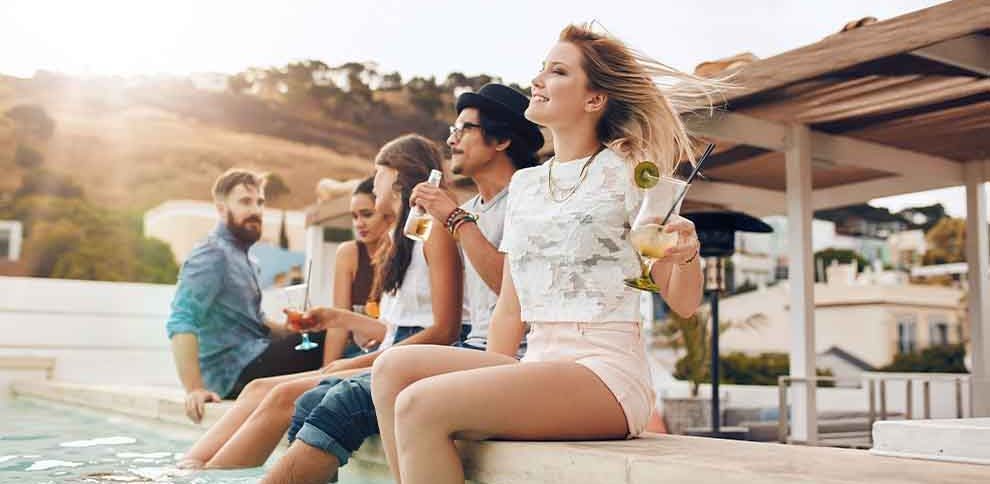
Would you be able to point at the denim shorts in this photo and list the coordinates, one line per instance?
(338, 415)
(341, 414)
(355, 397)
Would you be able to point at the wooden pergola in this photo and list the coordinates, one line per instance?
(893, 107)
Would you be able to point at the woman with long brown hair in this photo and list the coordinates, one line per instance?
(353, 271)
(585, 375)
(410, 314)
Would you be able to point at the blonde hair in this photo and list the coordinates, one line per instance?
(645, 98)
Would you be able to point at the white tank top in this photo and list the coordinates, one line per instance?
(412, 304)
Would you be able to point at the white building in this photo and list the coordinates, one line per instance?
(183, 223)
(858, 315)
(11, 234)
(907, 248)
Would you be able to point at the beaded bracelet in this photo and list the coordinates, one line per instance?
(460, 222)
(455, 214)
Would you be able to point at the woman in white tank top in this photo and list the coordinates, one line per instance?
(566, 240)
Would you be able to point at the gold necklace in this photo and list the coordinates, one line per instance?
(551, 189)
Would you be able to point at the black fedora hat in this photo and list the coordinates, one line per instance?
(504, 104)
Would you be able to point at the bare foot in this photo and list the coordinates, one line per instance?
(190, 464)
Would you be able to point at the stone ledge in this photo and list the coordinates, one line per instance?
(155, 403)
(950, 440)
(42, 363)
(651, 459)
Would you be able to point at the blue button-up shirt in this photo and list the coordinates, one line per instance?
(218, 298)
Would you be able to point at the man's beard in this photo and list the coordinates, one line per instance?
(241, 232)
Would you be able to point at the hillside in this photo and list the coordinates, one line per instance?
(135, 143)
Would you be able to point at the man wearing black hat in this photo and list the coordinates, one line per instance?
(489, 141)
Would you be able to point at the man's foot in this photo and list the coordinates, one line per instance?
(190, 464)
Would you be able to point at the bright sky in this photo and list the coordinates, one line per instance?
(426, 37)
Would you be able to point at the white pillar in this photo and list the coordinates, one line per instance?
(804, 421)
(321, 285)
(977, 248)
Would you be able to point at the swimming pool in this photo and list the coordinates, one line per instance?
(43, 444)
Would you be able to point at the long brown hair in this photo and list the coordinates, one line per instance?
(641, 119)
(412, 156)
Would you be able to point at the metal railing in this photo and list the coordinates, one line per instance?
(876, 382)
(783, 417)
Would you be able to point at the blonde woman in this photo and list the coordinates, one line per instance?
(585, 374)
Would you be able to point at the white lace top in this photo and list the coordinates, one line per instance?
(412, 304)
(568, 259)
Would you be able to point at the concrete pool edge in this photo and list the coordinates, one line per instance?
(651, 459)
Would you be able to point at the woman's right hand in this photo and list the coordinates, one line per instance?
(365, 342)
(316, 319)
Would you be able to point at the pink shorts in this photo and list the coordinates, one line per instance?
(613, 351)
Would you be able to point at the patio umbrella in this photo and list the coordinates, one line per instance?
(717, 234)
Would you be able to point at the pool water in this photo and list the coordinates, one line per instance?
(42, 444)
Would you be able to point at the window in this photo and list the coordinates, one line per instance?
(10, 239)
(906, 329)
(5, 243)
(938, 330)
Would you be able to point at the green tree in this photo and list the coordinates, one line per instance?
(238, 83)
(425, 94)
(946, 242)
(843, 256)
(43, 182)
(693, 336)
(156, 262)
(28, 157)
(455, 80)
(934, 359)
(391, 81)
(32, 120)
(74, 239)
(49, 241)
(741, 369)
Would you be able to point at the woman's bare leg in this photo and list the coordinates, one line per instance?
(303, 464)
(261, 431)
(254, 392)
(402, 366)
(528, 401)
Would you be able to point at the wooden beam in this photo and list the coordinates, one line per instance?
(754, 201)
(741, 129)
(801, 276)
(901, 34)
(971, 53)
(841, 150)
(762, 202)
(862, 192)
(978, 296)
(848, 151)
(926, 92)
(326, 213)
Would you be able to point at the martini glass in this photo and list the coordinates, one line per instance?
(663, 198)
(295, 317)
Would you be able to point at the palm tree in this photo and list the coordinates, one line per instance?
(693, 335)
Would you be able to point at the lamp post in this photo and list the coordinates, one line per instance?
(717, 234)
